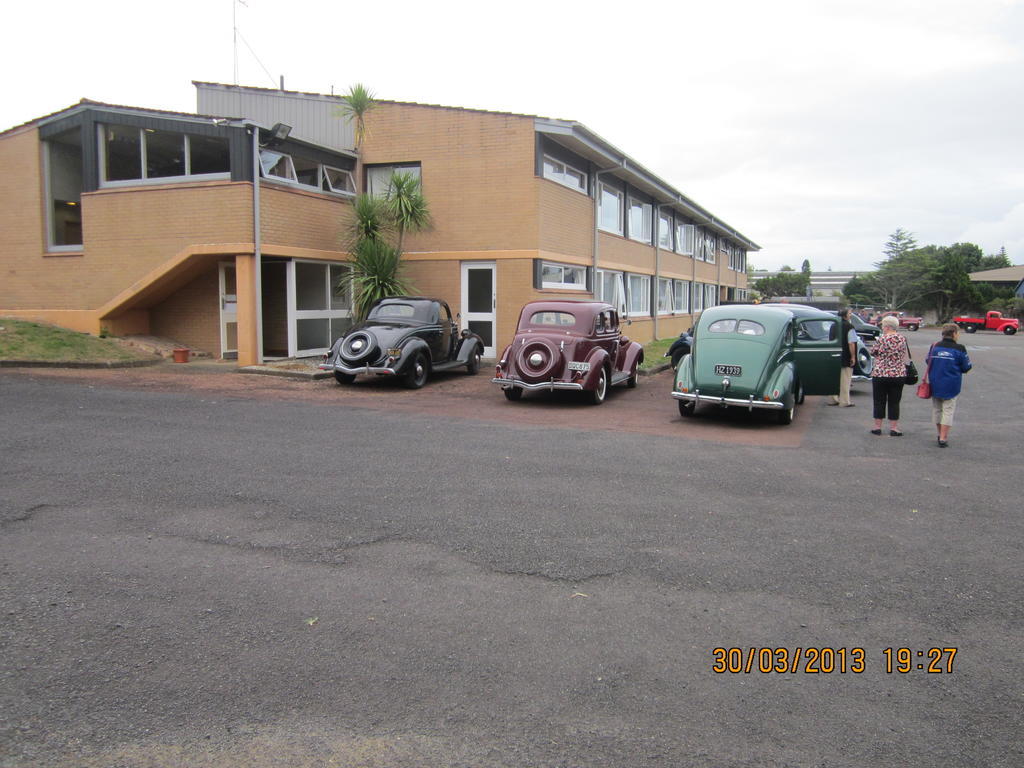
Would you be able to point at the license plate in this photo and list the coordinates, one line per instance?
(728, 370)
(574, 366)
(395, 352)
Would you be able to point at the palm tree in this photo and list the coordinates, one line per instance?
(373, 273)
(356, 104)
(372, 220)
(406, 205)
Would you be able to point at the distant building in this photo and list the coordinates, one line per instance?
(1005, 277)
(822, 283)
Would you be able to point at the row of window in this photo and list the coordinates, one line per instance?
(632, 293)
(306, 173)
(616, 210)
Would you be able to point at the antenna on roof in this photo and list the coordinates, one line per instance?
(234, 32)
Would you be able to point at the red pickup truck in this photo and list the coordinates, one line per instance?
(992, 321)
(906, 321)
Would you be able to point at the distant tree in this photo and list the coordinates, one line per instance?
(995, 261)
(952, 290)
(899, 243)
(806, 267)
(791, 283)
(786, 268)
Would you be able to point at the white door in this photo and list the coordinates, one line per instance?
(479, 302)
(228, 311)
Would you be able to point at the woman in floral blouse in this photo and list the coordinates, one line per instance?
(889, 375)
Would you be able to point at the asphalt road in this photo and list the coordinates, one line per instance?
(222, 570)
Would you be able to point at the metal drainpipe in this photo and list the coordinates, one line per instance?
(257, 252)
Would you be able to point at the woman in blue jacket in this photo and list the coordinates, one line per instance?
(947, 363)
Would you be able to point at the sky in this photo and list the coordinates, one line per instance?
(816, 128)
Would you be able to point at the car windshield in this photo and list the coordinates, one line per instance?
(561, 319)
(404, 311)
(746, 327)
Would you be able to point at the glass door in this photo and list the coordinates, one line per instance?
(478, 302)
(228, 312)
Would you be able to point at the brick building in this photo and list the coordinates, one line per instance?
(141, 221)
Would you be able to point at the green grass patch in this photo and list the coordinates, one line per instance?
(25, 340)
(654, 352)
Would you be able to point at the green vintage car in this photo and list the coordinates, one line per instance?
(750, 356)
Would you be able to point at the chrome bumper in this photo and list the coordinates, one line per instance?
(750, 403)
(357, 370)
(548, 385)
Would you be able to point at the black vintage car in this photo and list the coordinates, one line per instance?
(680, 347)
(404, 336)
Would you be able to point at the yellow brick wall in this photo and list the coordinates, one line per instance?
(25, 278)
(566, 220)
(617, 252)
(128, 232)
(301, 219)
(436, 279)
(192, 315)
(477, 172)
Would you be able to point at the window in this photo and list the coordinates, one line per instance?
(639, 295)
(378, 177)
(275, 165)
(710, 296)
(563, 276)
(709, 247)
(665, 231)
(610, 210)
(565, 174)
(63, 159)
(322, 306)
(698, 297)
(640, 220)
(137, 154)
(307, 173)
(338, 180)
(664, 296)
(553, 318)
(681, 295)
(611, 289)
(684, 238)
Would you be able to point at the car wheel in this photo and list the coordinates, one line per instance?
(785, 416)
(912, 327)
(1009, 330)
(687, 408)
(631, 381)
(970, 328)
(473, 366)
(799, 399)
(864, 362)
(597, 395)
(344, 378)
(416, 376)
(513, 393)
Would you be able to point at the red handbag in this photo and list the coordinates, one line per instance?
(924, 389)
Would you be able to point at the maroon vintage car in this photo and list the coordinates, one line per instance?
(574, 345)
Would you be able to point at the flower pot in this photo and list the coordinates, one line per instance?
(181, 355)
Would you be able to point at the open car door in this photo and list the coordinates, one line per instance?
(817, 355)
